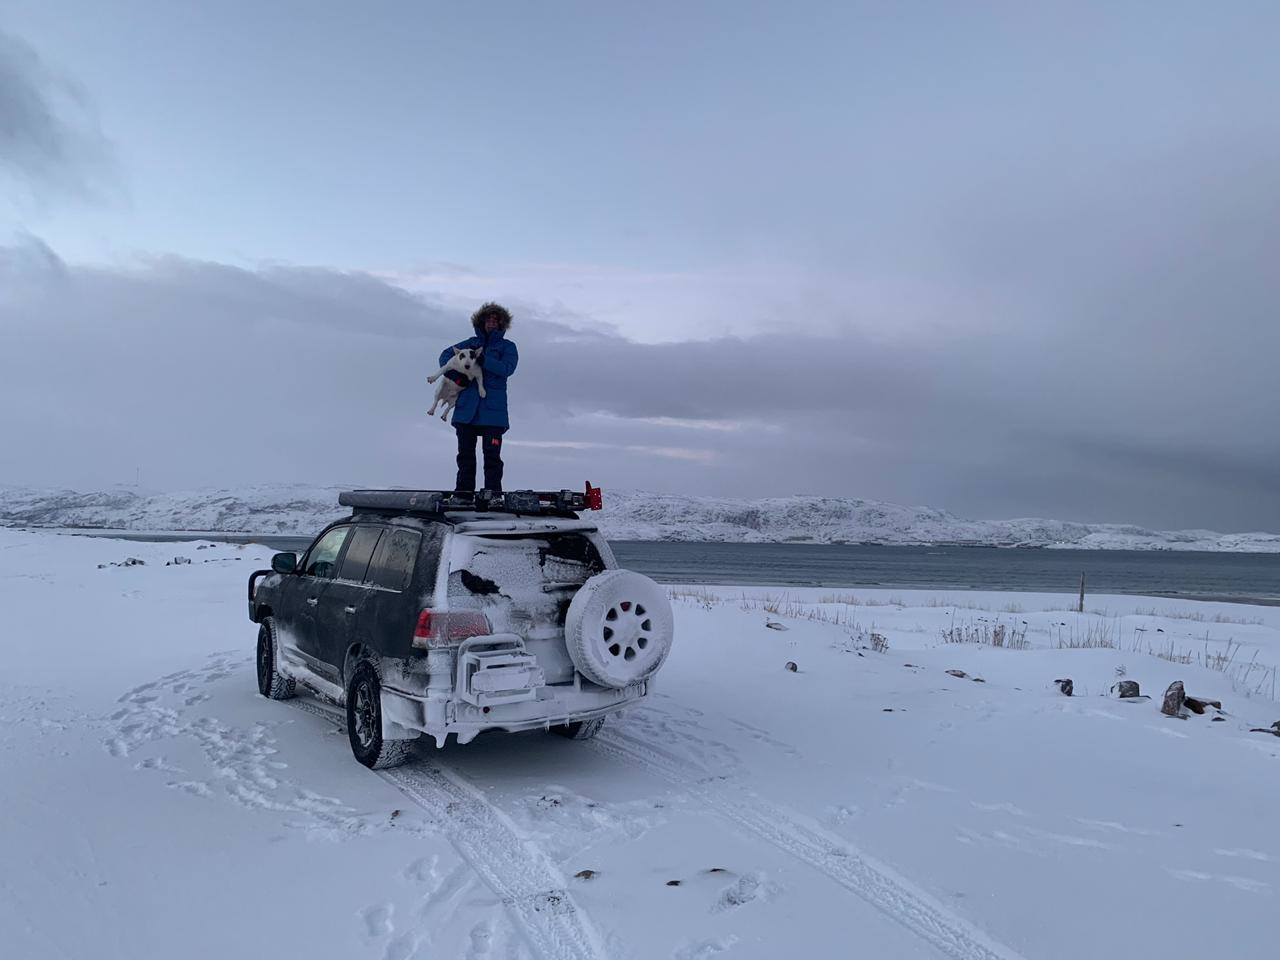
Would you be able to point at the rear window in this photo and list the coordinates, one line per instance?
(483, 566)
(359, 551)
(394, 558)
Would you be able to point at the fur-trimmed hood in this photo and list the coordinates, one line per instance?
(487, 310)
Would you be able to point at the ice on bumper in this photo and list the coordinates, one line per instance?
(497, 670)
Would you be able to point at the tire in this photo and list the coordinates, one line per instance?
(272, 684)
(618, 628)
(364, 722)
(580, 729)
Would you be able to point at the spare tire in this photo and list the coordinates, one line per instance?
(618, 629)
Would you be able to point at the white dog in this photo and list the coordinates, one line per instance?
(454, 377)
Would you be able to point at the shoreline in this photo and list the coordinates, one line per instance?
(1192, 576)
(245, 536)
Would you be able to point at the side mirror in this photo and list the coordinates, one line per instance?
(285, 563)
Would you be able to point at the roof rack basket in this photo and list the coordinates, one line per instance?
(439, 501)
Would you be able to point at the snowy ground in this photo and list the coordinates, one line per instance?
(868, 804)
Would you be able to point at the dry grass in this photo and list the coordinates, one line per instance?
(842, 616)
(1200, 617)
(987, 634)
(860, 638)
(1094, 612)
(1251, 679)
(937, 602)
(853, 600)
(1097, 630)
(699, 596)
(1096, 634)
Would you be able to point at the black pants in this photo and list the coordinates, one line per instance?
(491, 440)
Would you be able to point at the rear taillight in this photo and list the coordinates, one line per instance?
(446, 628)
(595, 497)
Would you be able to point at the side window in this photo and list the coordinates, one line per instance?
(355, 562)
(322, 559)
(429, 555)
(394, 558)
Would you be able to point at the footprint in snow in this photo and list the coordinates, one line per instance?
(402, 947)
(196, 788)
(377, 921)
(843, 813)
(424, 870)
(481, 939)
(703, 949)
(742, 891)
(443, 893)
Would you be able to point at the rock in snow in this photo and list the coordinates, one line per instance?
(1197, 705)
(1126, 688)
(1174, 698)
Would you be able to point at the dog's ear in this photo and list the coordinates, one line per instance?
(456, 351)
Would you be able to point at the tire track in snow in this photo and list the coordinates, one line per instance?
(872, 881)
(520, 874)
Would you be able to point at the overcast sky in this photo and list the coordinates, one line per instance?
(1007, 259)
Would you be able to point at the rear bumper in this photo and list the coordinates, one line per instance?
(408, 714)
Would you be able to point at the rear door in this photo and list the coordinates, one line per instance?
(404, 557)
(342, 605)
(524, 584)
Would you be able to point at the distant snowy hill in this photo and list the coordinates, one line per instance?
(648, 516)
(281, 509)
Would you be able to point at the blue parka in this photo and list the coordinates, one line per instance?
(499, 362)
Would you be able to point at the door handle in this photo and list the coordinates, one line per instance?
(349, 609)
(312, 601)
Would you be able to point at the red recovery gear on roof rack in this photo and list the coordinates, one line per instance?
(594, 497)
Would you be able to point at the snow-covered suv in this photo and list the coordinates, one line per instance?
(423, 612)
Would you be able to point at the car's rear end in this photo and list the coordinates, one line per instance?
(530, 625)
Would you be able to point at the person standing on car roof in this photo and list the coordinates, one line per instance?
(484, 418)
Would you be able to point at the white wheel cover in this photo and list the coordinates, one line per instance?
(618, 629)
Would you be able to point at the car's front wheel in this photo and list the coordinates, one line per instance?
(271, 682)
(364, 722)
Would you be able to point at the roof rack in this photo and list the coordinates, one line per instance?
(537, 502)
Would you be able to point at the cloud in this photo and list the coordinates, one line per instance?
(49, 139)
(1144, 392)
(674, 453)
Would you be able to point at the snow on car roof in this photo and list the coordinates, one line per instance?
(487, 525)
